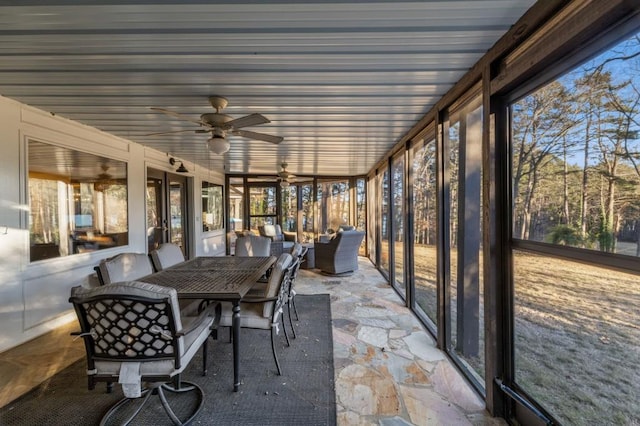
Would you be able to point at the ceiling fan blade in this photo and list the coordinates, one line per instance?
(180, 116)
(178, 131)
(249, 120)
(258, 136)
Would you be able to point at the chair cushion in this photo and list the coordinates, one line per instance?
(253, 245)
(251, 316)
(125, 267)
(258, 315)
(296, 250)
(191, 342)
(166, 255)
(272, 231)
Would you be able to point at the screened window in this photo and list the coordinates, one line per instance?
(289, 207)
(466, 293)
(236, 204)
(384, 221)
(361, 211)
(576, 183)
(576, 156)
(262, 205)
(78, 201)
(424, 224)
(333, 204)
(397, 182)
(308, 222)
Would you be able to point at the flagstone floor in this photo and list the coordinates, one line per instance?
(388, 370)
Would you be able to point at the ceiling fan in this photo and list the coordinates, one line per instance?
(284, 173)
(219, 125)
(284, 176)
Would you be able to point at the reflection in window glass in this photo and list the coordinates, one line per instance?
(576, 182)
(154, 213)
(424, 214)
(177, 193)
(78, 203)
(212, 207)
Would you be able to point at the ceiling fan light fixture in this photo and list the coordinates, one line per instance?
(284, 184)
(218, 145)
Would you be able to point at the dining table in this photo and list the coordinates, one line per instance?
(220, 278)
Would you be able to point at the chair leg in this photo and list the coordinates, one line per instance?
(284, 328)
(183, 387)
(273, 349)
(158, 389)
(293, 302)
(204, 357)
(290, 320)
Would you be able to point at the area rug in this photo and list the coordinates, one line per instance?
(303, 395)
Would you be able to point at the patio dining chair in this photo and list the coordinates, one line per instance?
(123, 267)
(265, 311)
(166, 255)
(133, 333)
(253, 245)
(300, 252)
(133, 266)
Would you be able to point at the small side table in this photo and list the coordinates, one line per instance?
(310, 257)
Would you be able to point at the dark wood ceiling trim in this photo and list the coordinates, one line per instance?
(561, 37)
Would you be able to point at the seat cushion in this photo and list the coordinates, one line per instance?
(125, 267)
(251, 316)
(166, 255)
(191, 342)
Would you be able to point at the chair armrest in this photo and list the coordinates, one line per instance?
(325, 238)
(213, 310)
(323, 249)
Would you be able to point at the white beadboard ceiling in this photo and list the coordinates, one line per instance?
(341, 81)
